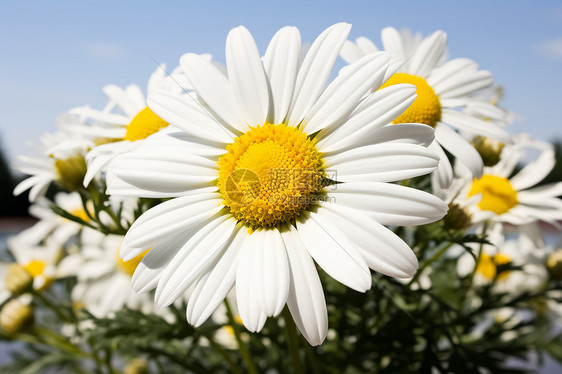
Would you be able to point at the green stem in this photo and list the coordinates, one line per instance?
(53, 339)
(471, 278)
(243, 349)
(224, 355)
(292, 341)
(433, 258)
(52, 306)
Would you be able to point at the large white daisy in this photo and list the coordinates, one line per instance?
(126, 119)
(274, 172)
(443, 88)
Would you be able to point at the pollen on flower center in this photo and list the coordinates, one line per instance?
(270, 175)
(498, 194)
(130, 266)
(426, 108)
(145, 123)
(36, 268)
(488, 265)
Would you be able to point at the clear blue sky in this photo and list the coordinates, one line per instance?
(58, 55)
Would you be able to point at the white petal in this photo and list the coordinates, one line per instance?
(187, 114)
(464, 84)
(474, 125)
(386, 162)
(383, 251)
(428, 54)
(306, 298)
(460, 148)
(390, 204)
(444, 73)
(392, 42)
(281, 62)
(249, 308)
(197, 257)
(148, 272)
(444, 172)
(334, 252)
(315, 70)
(123, 100)
(378, 110)
(535, 171)
(167, 218)
(366, 45)
(351, 52)
(214, 88)
(542, 192)
(340, 98)
(98, 115)
(247, 75)
(213, 288)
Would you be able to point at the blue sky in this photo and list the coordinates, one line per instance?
(58, 55)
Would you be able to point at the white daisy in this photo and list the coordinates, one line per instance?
(521, 251)
(35, 266)
(247, 174)
(103, 278)
(512, 198)
(61, 161)
(126, 119)
(442, 88)
(50, 224)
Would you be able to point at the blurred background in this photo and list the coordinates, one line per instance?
(59, 55)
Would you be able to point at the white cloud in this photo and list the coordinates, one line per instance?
(105, 50)
(551, 48)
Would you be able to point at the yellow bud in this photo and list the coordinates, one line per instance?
(136, 366)
(457, 218)
(488, 149)
(18, 279)
(15, 316)
(70, 172)
(554, 264)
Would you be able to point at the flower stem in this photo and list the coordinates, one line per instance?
(434, 258)
(292, 341)
(243, 349)
(52, 306)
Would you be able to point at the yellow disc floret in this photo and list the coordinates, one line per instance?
(270, 175)
(145, 123)
(425, 109)
(498, 194)
(130, 266)
(488, 266)
(36, 268)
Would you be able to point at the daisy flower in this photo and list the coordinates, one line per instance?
(522, 252)
(35, 267)
(103, 278)
(274, 172)
(443, 87)
(512, 198)
(52, 225)
(125, 120)
(61, 161)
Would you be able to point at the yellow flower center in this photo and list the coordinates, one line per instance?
(488, 265)
(70, 172)
(498, 195)
(426, 108)
(36, 268)
(130, 266)
(80, 213)
(145, 123)
(270, 175)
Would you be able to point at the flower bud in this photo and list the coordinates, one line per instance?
(16, 315)
(554, 264)
(488, 149)
(136, 366)
(457, 218)
(18, 279)
(70, 172)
